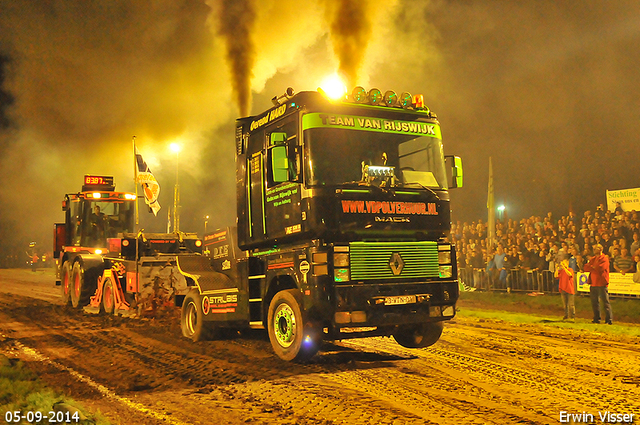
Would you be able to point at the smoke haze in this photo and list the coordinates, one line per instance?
(237, 18)
(350, 32)
(548, 89)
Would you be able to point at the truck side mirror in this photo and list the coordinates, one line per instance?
(456, 171)
(277, 138)
(279, 164)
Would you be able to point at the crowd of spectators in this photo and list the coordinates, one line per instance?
(541, 243)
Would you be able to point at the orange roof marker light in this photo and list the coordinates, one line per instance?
(418, 103)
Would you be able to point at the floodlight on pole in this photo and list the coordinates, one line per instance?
(501, 210)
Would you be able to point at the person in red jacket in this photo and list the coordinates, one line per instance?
(564, 273)
(598, 267)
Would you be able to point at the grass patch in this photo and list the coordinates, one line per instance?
(583, 324)
(547, 309)
(20, 390)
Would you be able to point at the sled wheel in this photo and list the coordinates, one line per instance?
(291, 338)
(419, 335)
(108, 300)
(192, 319)
(66, 283)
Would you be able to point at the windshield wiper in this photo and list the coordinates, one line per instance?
(423, 187)
(365, 184)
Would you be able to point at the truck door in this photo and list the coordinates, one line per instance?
(282, 206)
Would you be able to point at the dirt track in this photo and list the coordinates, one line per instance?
(480, 372)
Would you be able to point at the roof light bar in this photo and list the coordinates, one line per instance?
(375, 96)
(406, 100)
(359, 94)
(334, 90)
(390, 98)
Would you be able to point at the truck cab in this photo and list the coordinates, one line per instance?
(343, 213)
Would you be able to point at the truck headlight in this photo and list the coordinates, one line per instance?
(446, 271)
(341, 275)
(319, 257)
(444, 257)
(341, 260)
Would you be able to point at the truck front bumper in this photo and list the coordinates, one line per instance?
(390, 304)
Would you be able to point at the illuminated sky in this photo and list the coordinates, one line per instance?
(548, 89)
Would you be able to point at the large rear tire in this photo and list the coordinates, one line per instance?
(66, 279)
(419, 335)
(83, 284)
(108, 295)
(192, 319)
(291, 337)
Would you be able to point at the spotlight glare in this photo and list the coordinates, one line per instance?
(334, 87)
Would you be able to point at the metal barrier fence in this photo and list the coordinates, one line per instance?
(514, 280)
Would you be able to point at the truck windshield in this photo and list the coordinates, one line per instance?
(95, 221)
(336, 157)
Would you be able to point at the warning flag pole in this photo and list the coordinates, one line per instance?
(491, 209)
(135, 180)
(137, 229)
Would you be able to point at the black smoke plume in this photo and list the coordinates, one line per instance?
(237, 19)
(350, 23)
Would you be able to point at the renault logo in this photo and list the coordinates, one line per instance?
(396, 264)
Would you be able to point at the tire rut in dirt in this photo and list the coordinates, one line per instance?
(550, 386)
(319, 398)
(131, 355)
(491, 372)
(551, 360)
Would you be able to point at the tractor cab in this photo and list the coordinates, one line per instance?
(95, 215)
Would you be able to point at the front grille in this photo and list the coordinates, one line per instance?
(379, 260)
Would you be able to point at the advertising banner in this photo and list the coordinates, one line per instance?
(629, 199)
(619, 284)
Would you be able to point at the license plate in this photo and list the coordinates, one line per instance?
(400, 299)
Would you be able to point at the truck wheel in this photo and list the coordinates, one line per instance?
(418, 336)
(83, 285)
(66, 283)
(291, 338)
(77, 284)
(108, 300)
(192, 319)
